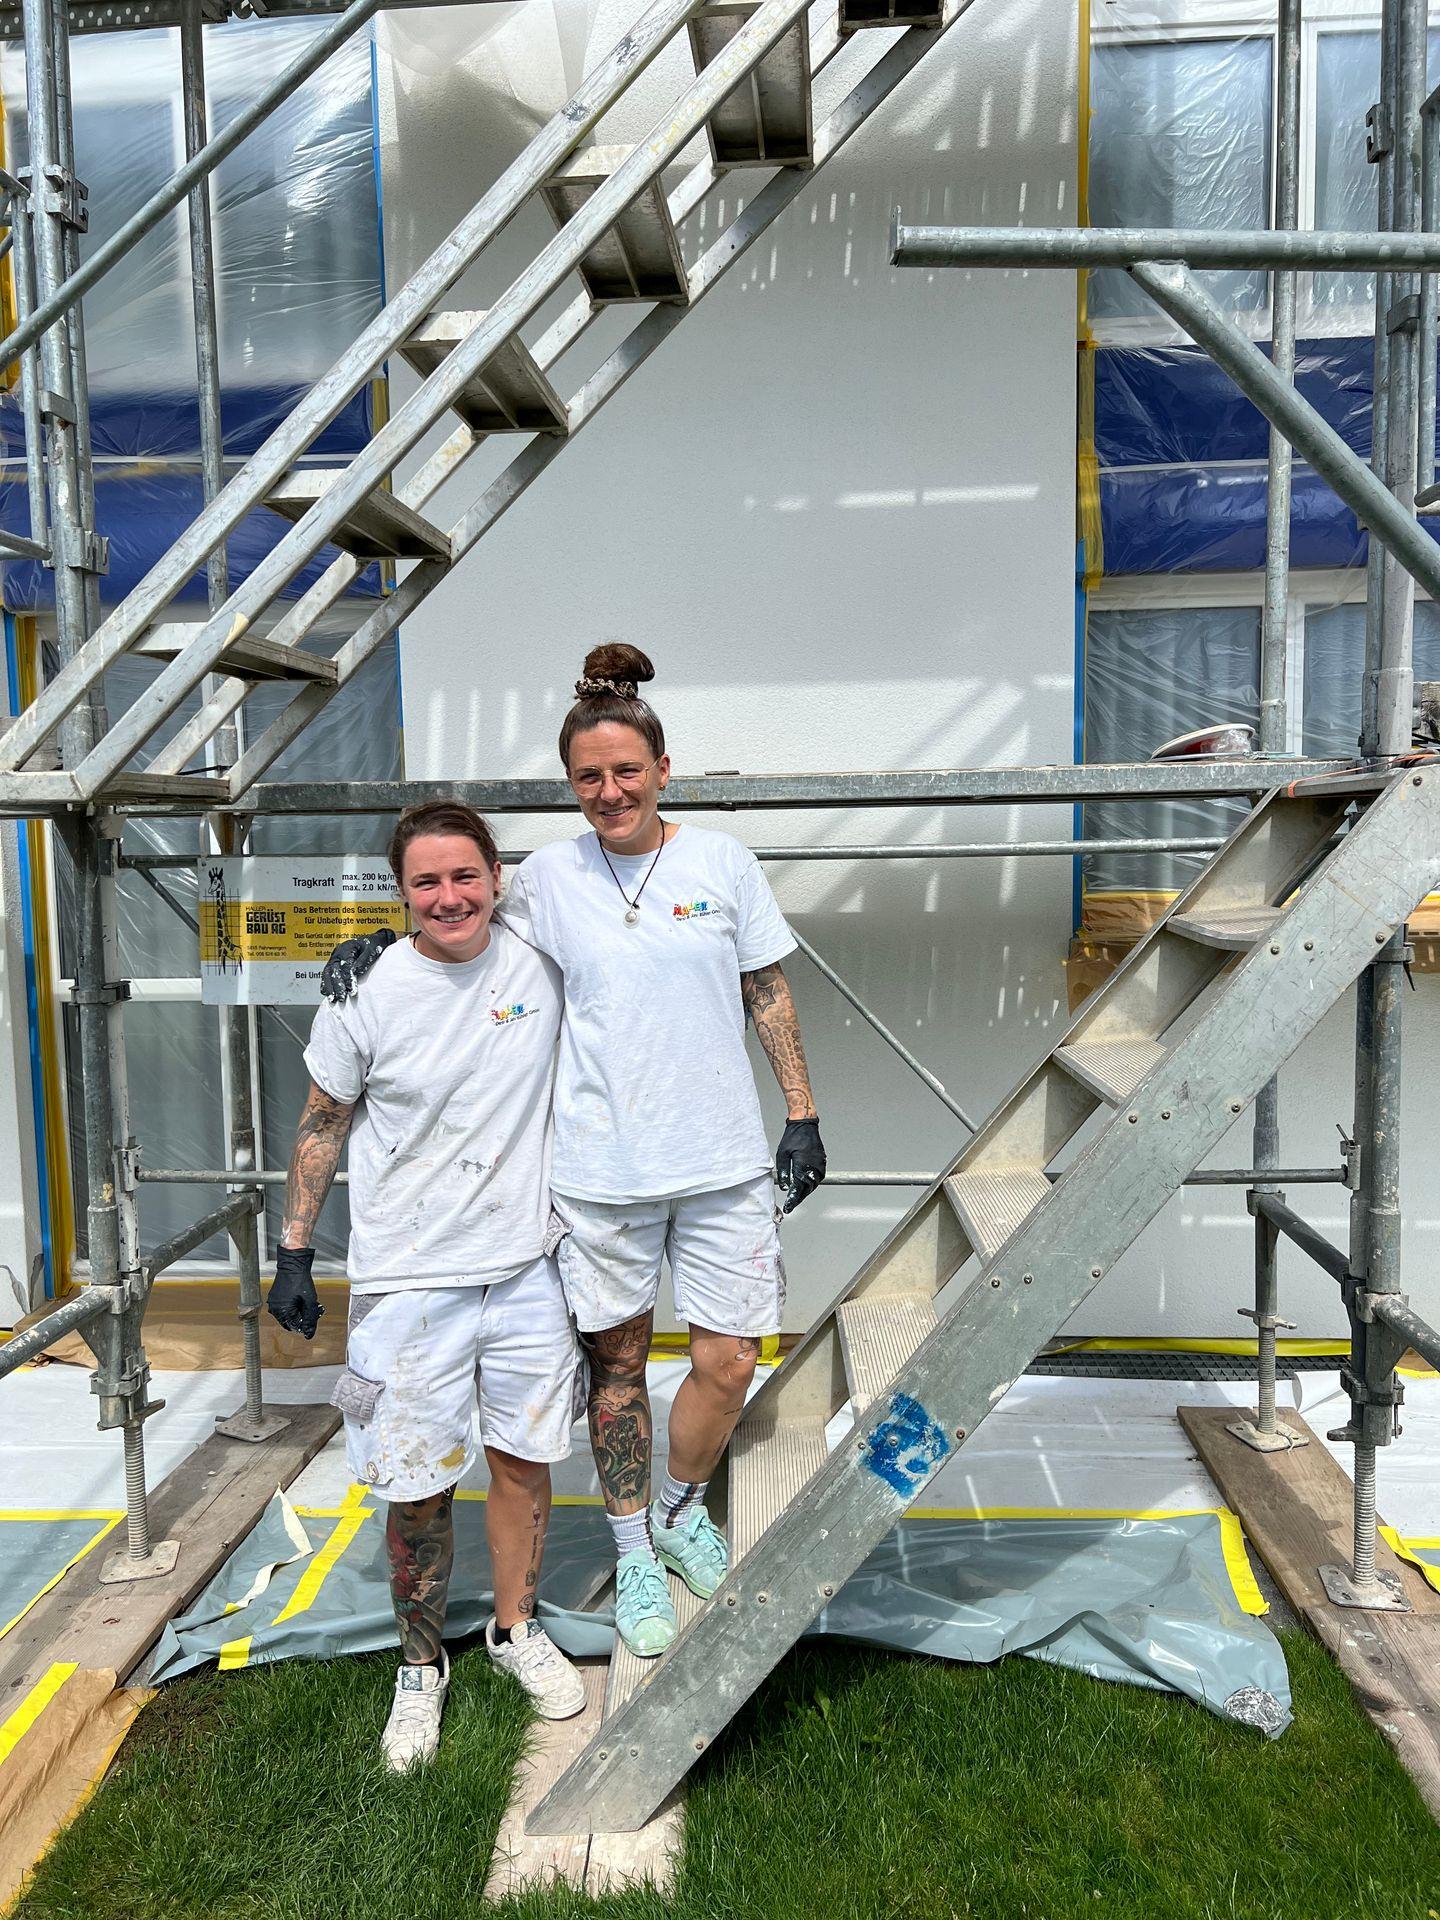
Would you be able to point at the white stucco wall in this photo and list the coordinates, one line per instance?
(837, 508)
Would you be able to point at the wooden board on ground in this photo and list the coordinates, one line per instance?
(600, 1863)
(1296, 1509)
(209, 1503)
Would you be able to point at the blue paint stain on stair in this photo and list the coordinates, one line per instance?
(905, 1449)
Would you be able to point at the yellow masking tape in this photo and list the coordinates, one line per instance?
(307, 1589)
(234, 1654)
(13, 1730)
(1406, 1550)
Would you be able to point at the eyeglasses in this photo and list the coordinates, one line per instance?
(589, 780)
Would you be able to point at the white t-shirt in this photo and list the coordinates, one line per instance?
(654, 1096)
(452, 1063)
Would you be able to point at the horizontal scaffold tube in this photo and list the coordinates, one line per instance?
(1074, 247)
(23, 1347)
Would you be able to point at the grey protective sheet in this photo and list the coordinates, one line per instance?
(1153, 1601)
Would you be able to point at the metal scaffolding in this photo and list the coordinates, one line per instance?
(61, 760)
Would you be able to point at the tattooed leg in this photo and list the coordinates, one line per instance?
(619, 1412)
(517, 1514)
(420, 1545)
(709, 1400)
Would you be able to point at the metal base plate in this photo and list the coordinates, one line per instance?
(1386, 1596)
(120, 1567)
(1280, 1441)
(240, 1426)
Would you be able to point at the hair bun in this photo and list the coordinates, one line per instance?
(616, 661)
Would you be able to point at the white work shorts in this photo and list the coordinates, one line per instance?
(723, 1248)
(420, 1364)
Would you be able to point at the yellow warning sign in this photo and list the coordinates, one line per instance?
(249, 930)
(269, 923)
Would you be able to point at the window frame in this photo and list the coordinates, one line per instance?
(1172, 22)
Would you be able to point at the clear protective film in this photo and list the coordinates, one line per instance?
(1160, 1601)
(298, 274)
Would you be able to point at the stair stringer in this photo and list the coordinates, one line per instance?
(1275, 997)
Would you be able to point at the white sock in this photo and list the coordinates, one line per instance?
(676, 1498)
(631, 1530)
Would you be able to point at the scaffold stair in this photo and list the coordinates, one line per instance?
(994, 1259)
(623, 238)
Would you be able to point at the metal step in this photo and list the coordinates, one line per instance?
(126, 789)
(1110, 1068)
(248, 658)
(1237, 928)
(639, 257)
(766, 121)
(770, 1461)
(855, 14)
(878, 1333)
(993, 1204)
(508, 395)
(628, 1671)
(380, 527)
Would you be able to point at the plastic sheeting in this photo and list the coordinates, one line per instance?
(1149, 1601)
(1181, 133)
(173, 1048)
(1150, 675)
(298, 275)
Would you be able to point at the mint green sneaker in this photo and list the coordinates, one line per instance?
(696, 1550)
(644, 1612)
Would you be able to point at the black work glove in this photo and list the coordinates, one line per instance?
(292, 1299)
(351, 961)
(800, 1161)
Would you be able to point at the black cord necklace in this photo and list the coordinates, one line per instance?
(632, 907)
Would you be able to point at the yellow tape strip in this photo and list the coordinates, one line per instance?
(1406, 1551)
(111, 1522)
(307, 1589)
(234, 1653)
(13, 1730)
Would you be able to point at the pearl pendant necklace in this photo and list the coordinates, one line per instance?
(632, 907)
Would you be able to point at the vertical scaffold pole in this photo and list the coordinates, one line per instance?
(1263, 1433)
(1369, 1377)
(227, 836)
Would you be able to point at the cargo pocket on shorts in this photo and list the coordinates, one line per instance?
(356, 1396)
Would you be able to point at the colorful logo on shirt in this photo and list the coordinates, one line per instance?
(507, 1016)
(694, 910)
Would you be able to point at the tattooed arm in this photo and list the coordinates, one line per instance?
(319, 1138)
(768, 1002)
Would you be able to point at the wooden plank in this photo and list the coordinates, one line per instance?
(524, 1859)
(1296, 1509)
(209, 1504)
(597, 1863)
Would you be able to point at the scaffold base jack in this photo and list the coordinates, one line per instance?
(1382, 1593)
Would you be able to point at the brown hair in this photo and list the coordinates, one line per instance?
(439, 816)
(609, 690)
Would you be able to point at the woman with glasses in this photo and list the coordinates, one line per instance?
(668, 937)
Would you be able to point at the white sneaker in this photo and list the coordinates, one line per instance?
(412, 1732)
(528, 1652)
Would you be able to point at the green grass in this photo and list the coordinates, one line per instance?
(856, 1785)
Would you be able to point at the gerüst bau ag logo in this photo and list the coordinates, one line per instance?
(507, 1016)
(694, 910)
